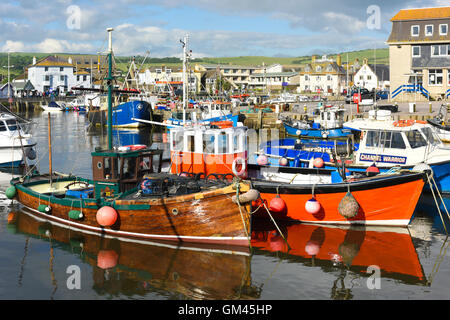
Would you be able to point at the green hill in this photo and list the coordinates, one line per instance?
(21, 60)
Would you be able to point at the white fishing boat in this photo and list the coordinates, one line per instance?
(53, 107)
(16, 146)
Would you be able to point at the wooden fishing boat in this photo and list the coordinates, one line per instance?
(128, 196)
(189, 270)
(173, 208)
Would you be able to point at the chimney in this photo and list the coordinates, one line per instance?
(313, 59)
(365, 61)
(69, 60)
(338, 60)
(34, 61)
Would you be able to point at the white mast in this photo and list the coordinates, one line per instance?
(185, 43)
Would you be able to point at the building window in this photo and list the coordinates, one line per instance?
(61, 78)
(158, 71)
(369, 77)
(439, 50)
(435, 77)
(61, 69)
(416, 51)
(328, 77)
(46, 69)
(429, 30)
(318, 68)
(434, 50)
(415, 31)
(443, 29)
(306, 77)
(84, 78)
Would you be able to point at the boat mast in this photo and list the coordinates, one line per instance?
(184, 43)
(109, 80)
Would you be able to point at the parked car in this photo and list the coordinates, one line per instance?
(365, 94)
(392, 108)
(384, 94)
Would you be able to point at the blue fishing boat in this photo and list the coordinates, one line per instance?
(327, 122)
(123, 114)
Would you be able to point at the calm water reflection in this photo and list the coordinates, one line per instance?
(317, 262)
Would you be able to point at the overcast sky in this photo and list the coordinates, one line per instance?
(216, 28)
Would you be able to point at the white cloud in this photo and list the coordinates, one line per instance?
(13, 46)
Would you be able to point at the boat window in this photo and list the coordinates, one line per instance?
(208, 143)
(177, 141)
(223, 143)
(235, 143)
(107, 168)
(2, 126)
(12, 124)
(190, 143)
(397, 141)
(415, 139)
(430, 136)
(385, 139)
(129, 167)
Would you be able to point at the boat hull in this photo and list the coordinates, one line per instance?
(122, 115)
(316, 133)
(382, 201)
(207, 217)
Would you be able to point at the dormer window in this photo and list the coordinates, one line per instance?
(318, 68)
(415, 30)
(429, 30)
(443, 29)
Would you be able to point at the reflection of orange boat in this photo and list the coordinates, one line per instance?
(193, 272)
(390, 249)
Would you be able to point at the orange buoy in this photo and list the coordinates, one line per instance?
(277, 204)
(318, 162)
(107, 259)
(106, 216)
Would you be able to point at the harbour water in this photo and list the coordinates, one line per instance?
(41, 261)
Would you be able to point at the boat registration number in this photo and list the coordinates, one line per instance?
(382, 158)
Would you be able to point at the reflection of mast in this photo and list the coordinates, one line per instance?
(22, 263)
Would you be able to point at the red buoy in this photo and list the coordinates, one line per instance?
(277, 204)
(373, 168)
(106, 216)
(107, 259)
(262, 160)
(318, 162)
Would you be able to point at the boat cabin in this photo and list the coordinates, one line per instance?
(207, 148)
(403, 142)
(329, 117)
(121, 169)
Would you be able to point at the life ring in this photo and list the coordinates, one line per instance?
(134, 147)
(404, 123)
(243, 164)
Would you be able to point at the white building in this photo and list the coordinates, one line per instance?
(323, 76)
(371, 76)
(55, 73)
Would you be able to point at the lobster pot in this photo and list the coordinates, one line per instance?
(348, 207)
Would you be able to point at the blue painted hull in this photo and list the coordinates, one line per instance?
(13, 164)
(123, 114)
(316, 133)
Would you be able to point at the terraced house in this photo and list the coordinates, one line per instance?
(419, 54)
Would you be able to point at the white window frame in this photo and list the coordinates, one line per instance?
(418, 30)
(446, 29)
(412, 51)
(436, 74)
(432, 30)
